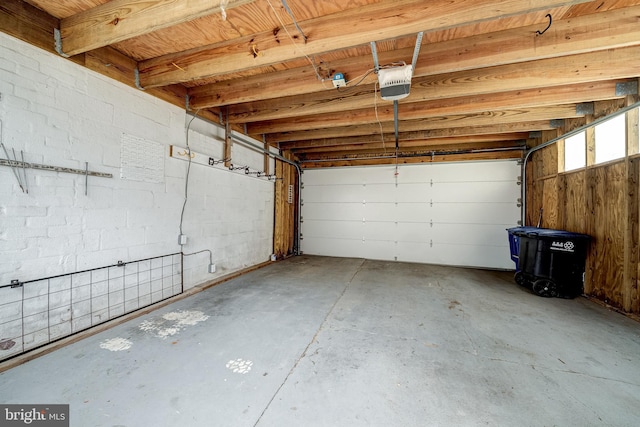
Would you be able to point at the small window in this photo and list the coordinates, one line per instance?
(575, 151)
(610, 139)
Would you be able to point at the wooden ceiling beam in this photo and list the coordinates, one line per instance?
(27, 23)
(438, 157)
(403, 149)
(496, 128)
(434, 142)
(474, 104)
(353, 27)
(119, 20)
(434, 123)
(606, 30)
(582, 68)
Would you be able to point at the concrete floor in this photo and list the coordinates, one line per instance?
(316, 341)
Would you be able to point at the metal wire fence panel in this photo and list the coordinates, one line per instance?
(38, 312)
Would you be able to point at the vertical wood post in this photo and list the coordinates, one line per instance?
(228, 142)
(266, 156)
(632, 213)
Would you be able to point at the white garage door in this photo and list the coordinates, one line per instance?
(442, 213)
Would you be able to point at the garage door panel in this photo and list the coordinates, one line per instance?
(413, 212)
(415, 173)
(332, 247)
(413, 252)
(378, 249)
(380, 193)
(377, 230)
(333, 194)
(469, 234)
(479, 213)
(380, 212)
(339, 176)
(336, 229)
(479, 171)
(472, 256)
(414, 192)
(413, 232)
(333, 211)
(479, 192)
(452, 214)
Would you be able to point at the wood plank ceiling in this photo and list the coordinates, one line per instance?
(484, 81)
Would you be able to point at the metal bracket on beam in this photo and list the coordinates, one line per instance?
(416, 51)
(556, 123)
(585, 108)
(136, 73)
(186, 102)
(627, 88)
(374, 53)
(535, 134)
(58, 43)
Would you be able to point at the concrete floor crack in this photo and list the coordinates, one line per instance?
(313, 339)
(464, 328)
(401, 337)
(562, 371)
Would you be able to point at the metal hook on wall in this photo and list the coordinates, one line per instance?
(548, 15)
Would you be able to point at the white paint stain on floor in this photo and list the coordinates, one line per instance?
(116, 344)
(172, 323)
(239, 366)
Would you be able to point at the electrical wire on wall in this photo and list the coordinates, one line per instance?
(212, 268)
(186, 181)
(199, 252)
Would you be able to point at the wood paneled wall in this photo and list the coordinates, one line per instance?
(284, 231)
(598, 200)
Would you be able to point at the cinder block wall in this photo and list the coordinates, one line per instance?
(61, 114)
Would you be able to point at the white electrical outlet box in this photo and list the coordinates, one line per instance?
(182, 239)
(212, 268)
(338, 80)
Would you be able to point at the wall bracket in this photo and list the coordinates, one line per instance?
(26, 165)
(627, 88)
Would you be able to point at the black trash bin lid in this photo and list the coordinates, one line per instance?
(550, 233)
(522, 229)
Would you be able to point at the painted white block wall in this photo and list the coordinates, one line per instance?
(441, 213)
(61, 114)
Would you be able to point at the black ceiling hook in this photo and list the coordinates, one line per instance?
(548, 15)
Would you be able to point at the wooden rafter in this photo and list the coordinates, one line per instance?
(353, 27)
(607, 30)
(496, 128)
(474, 104)
(582, 68)
(119, 20)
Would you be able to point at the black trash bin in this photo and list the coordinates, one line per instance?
(514, 242)
(551, 262)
